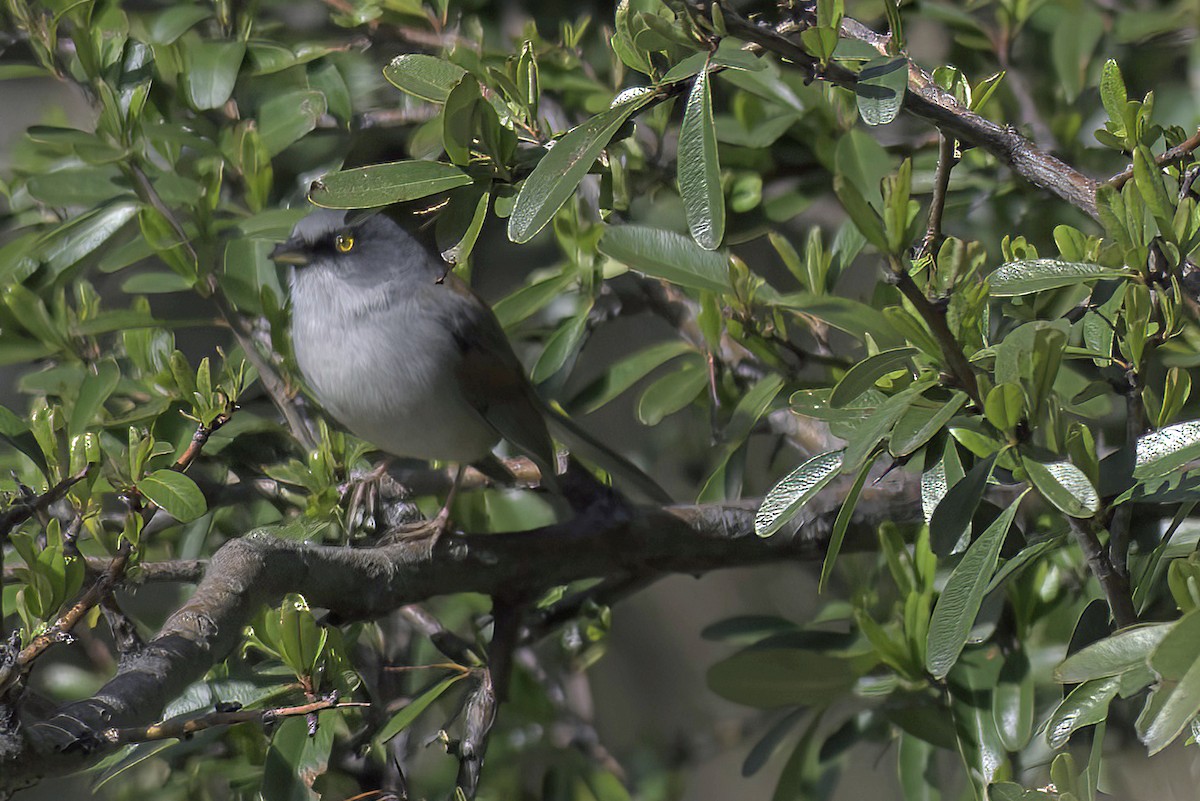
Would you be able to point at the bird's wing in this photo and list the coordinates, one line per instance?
(493, 379)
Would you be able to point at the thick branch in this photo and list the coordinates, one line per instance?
(258, 569)
(1114, 584)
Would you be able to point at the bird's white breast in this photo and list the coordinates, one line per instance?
(385, 370)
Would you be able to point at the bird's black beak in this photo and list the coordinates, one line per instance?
(293, 251)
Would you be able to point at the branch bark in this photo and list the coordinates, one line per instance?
(258, 569)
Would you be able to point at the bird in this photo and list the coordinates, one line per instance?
(399, 350)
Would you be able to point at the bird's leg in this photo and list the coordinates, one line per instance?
(442, 522)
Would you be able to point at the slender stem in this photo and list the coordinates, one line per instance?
(935, 318)
(1171, 154)
(1114, 583)
(947, 158)
(180, 729)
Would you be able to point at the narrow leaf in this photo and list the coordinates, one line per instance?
(667, 255)
(1040, 275)
(959, 602)
(1127, 649)
(382, 184)
(788, 497)
(862, 376)
(555, 177)
(842, 523)
(404, 718)
(699, 169)
(1065, 486)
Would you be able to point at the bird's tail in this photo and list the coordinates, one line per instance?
(593, 449)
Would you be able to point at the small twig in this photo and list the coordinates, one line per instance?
(1114, 584)
(1171, 154)
(947, 158)
(935, 318)
(60, 630)
(22, 510)
(447, 642)
(200, 439)
(181, 570)
(182, 729)
(478, 717)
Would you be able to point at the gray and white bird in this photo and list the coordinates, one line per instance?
(404, 355)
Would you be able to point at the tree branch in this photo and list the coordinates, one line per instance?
(927, 100)
(258, 569)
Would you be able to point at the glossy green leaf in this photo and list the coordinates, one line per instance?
(1041, 275)
(1012, 702)
(841, 523)
(404, 718)
(788, 497)
(383, 184)
(1167, 450)
(1112, 91)
(562, 346)
(862, 376)
(915, 760)
(919, 424)
(699, 170)
(1125, 650)
(427, 77)
(952, 515)
(75, 239)
(1065, 486)
(559, 172)
(880, 89)
(174, 493)
(1086, 705)
(667, 255)
(878, 426)
(962, 596)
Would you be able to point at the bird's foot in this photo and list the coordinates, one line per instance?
(370, 500)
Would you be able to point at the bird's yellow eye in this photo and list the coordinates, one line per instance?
(344, 243)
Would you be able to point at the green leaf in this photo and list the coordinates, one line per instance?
(1012, 702)
(210, 71)
(426, 77)
(460, 120)
(671, 393)
(169, 25)
(667, 255)
(864, 217)
(771, 677)
(1127, 649)
(1086, 705)
(1065, 486)
(174, 493)
(559, 172)
(919, 424)
(1176, 699)
(880, 89)
(962, 596)
(840, 524)
(404, 718)
(1004, 406)
(952, 515)
(750, 408)
(1112, 92)
(862, 376)
(623, 374)
(771, 742)
(383, 184)
(918, 773)
(1029, 276)
(71, 241)
(1167, 450)
(286, 118)
(879, 425)
(788, 497)
(562, 346)
(95, 389)
(699, 168)
(1149, 181)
